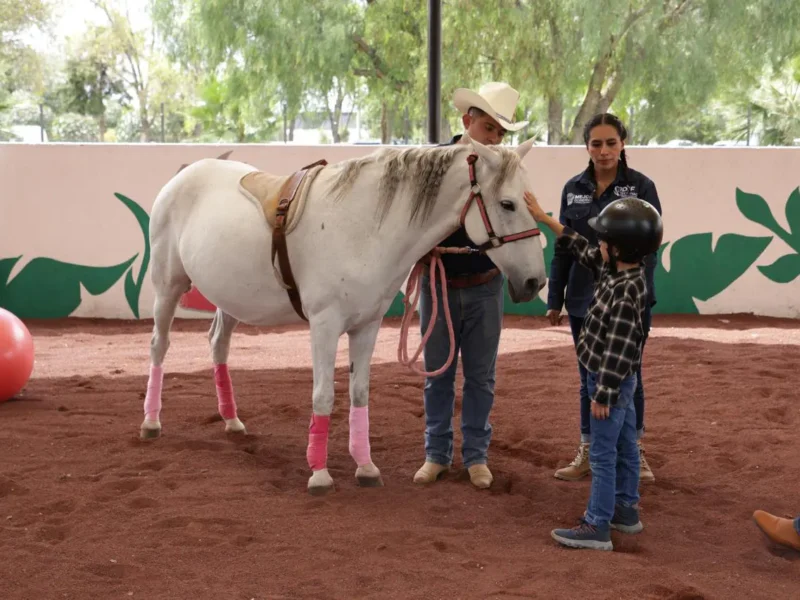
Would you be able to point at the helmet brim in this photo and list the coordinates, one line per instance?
(594, 224)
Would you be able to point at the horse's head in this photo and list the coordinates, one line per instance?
(505, 228)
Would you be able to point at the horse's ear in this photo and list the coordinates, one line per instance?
(486, 154)
(524, 147)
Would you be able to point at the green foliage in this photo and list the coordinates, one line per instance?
(72, 127)
(239, 71)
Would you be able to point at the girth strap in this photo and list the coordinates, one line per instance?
(287, 195)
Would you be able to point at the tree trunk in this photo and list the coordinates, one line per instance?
(144, 119)
(446, 132)
(555, 120)
(292, 121)
(386, 124)
(335, 116)
(102, 124)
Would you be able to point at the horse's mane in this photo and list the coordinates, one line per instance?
(424, 168)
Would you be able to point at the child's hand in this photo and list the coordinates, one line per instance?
(533, 206)
(600, 411)
(541, 217)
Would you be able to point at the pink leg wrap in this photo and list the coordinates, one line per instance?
(317, 453)
(359, 435)
(225, 400)
(152, 401)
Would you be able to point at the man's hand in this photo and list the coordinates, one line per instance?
(554, 316)
(600, 411)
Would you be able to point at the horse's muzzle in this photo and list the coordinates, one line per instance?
(530, 288)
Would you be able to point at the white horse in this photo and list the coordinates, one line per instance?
(366, 222)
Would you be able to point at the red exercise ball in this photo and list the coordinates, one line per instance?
(16, 355)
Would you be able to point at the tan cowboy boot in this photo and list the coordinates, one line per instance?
(480, 476)
(429, 472)
(578, 468)
(781, 531)
(645, 474)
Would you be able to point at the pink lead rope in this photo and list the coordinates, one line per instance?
(415, 285)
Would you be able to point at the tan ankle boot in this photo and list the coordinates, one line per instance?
(429, 472)
(480, 476)
(781, 531)
(578, 468)
(645, 474)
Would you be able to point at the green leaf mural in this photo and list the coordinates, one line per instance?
(783, 270)
(47, 289)
(134, 288)
(699, 272)
(793, 213)
(755, 208)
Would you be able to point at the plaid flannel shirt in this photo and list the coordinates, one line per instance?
(610, 341)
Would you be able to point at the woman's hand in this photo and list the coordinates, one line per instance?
(554, 316)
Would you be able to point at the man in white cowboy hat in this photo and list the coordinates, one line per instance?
(475, 296)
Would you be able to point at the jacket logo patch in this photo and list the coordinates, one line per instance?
(624, 191)
(578, 199)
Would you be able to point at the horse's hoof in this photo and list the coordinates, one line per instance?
(369, 476)
(149, 434)
(235, 426)
(320, 483)
(320, 490)
(149, 430)
(370, 481)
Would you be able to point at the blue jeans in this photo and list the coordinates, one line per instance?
(477, 316)
(797, 525)
(575, 324)
(613, 457)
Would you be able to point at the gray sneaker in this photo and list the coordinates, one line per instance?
(626, 519)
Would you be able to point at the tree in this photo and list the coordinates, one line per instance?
(92, 77)
(662, 57)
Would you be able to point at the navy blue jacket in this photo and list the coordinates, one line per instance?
(578, 205)
(463, 264)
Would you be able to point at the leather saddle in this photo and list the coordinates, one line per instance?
(282, 199)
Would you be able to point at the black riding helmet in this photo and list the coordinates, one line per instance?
(630, 225)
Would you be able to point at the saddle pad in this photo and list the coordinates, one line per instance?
(265, 188)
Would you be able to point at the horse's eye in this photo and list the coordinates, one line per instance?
(508, 205)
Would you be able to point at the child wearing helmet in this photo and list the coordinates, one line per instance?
(609, 347)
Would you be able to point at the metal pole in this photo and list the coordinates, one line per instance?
(434, 70)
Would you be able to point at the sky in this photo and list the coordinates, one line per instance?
(72, 16)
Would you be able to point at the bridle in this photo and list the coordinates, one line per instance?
(477, 195)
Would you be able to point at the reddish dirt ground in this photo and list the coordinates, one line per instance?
(88, 511)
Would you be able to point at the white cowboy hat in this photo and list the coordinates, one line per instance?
(497, 99)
